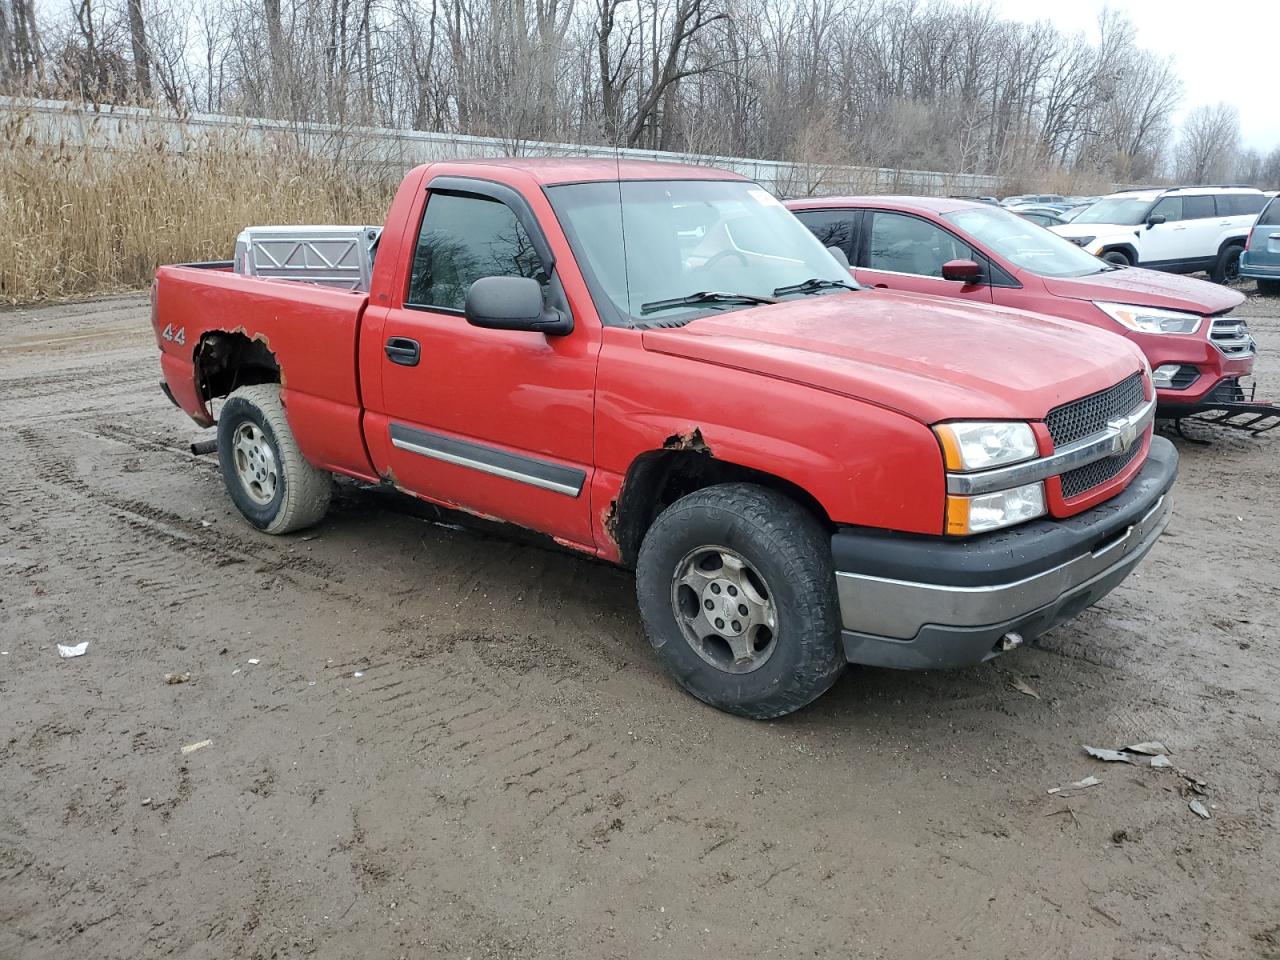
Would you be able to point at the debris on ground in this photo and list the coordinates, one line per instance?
(1022, 687)
(358, 674)
(67, 652)
(1160, 760)
(193, 747)
(176, 677)
(146, 802)
(1112, 756)
(1198, 809)
(254, 661)
(1078, 785)
(1149, 748)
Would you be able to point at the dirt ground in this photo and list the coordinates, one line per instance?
(432, 741)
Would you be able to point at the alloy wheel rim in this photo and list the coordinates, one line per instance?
(725, 609)
(254, 459)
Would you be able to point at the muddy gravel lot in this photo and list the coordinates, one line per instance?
(428, 740)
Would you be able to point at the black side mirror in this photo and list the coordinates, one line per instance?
(840, 256)
(513, 303)
(966, 271)
(1155, 220)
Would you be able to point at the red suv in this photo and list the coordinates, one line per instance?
(977, 252)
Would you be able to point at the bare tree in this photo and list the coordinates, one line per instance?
(1210, 139)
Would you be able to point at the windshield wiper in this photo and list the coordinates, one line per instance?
(814, 284)
(704, 296)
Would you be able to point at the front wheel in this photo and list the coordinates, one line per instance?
(737, 593)
(1117, 258)
(266, 476)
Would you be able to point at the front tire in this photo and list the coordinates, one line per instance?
(1117, 258)
(737, 593)
(266, 476)
(1227, 269)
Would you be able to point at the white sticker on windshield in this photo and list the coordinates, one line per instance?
(763, 197)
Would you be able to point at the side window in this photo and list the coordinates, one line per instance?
(905, 244)
(1170, 208)
(834, 228)
(464, 238)
(1197, 208)
(1240, 204)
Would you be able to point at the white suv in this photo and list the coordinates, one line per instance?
(1179, 229)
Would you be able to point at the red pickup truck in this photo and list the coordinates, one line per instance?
(661, 367)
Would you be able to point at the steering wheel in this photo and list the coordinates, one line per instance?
(712, 260)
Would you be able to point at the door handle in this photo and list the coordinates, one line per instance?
(403, 351)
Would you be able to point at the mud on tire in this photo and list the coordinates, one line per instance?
(737, 594)
(266, 476)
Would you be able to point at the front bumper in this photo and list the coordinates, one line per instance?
(922, 603)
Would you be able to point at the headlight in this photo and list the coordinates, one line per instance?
(991, 511)
(977, 446)
(1149, 319)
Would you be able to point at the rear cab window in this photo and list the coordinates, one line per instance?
(1270, 216)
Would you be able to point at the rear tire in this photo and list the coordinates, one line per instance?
(266, 476)
(737, 592)
(1117, 258)
(1227, 269)
(1269, 288)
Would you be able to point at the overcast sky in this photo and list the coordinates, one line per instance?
(1229, 50)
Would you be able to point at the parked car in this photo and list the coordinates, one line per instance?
(1032, 198)
(1177, 230)
(966, 251)
(1074, 211)
(1261, 257)
(658, 366)
(1040, 219)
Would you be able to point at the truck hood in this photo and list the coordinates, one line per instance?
(930, 358)
(1148, 288)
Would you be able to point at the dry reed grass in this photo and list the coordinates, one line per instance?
(81, 221)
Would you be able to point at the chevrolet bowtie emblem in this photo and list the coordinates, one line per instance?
(1126, 433)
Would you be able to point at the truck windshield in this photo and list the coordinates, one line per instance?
(1024, 244)
(1125, 212)
(649, 242)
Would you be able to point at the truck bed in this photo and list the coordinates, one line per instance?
(312, 331)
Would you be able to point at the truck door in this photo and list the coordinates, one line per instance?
(497, 422)
(899, 251)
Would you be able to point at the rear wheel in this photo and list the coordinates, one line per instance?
(266, 476)
(1117, 257)
(1269, 288)
(737, 594)
(1227, 269)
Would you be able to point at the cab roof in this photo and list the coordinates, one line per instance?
(559, 170)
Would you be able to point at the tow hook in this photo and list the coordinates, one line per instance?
(1010, 640)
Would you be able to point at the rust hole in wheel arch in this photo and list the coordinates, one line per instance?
(691, 440)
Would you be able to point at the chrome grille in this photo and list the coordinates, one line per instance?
(1078, 419)
(1083, 479)
(1231, 337)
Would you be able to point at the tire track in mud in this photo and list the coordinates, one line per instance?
(56, 473)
